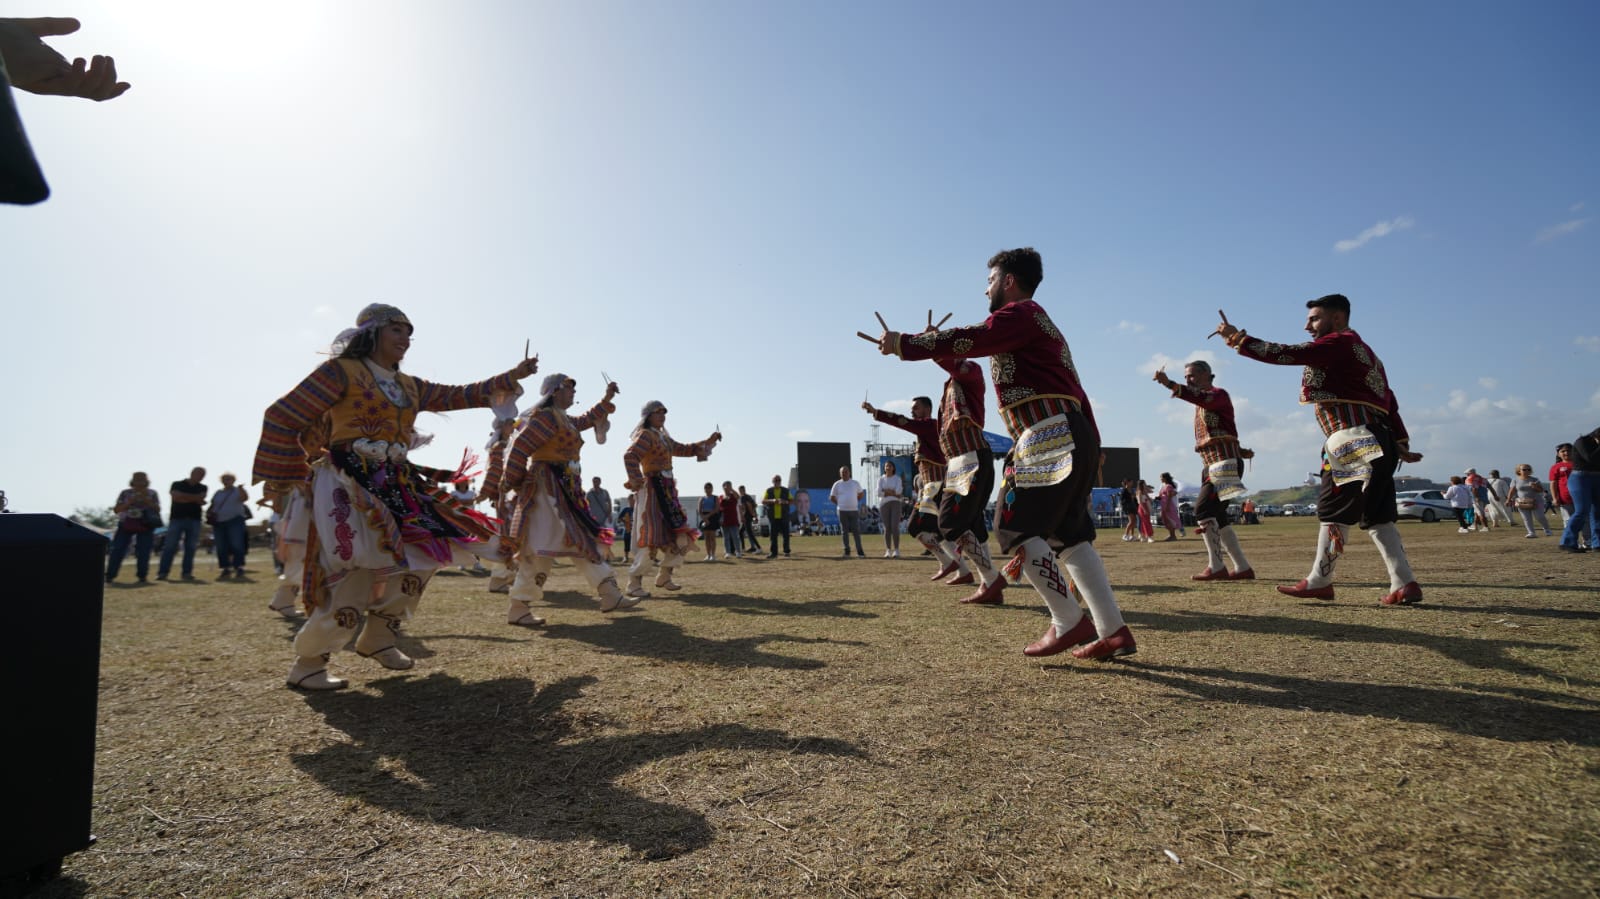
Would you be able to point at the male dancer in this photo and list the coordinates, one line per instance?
(968, 477)
(1044, 507)
(930, 461)
(1216, 439)
(1360, 416)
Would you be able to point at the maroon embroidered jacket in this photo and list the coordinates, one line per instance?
(1029, 360)
(1343, 378)
(961, 408)
(929, 458)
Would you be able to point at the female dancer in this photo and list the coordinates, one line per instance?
(549, 515)
(658, 517)
(375, 533)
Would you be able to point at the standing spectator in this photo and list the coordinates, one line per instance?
(138, 515)
(229, 535)
(710, 521)
(1559, 492)
(1247, 512)
(1479, 485)
(1460, 498)
(748, 510)
(1583, 486)
(890, 491)
(1168, 500)
(600, 510)
(728, 507)
(463, 492)
(1499, 495)
(184, 524)
(1530, 500)
(847, 493)
(1130, 511)
(1147, 531)
(777, 501)
(625, 529)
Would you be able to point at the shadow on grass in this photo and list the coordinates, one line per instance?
(756, 605)
(500, 755)
(1508, 718)
(638, 635)
(1475, 651)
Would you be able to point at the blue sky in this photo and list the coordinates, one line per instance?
(707, 199)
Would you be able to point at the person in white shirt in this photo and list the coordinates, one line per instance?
(891, 491)
(1460, 497)
(848, 494)
(1499, 495)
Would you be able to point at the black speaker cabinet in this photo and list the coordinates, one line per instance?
(54, 571)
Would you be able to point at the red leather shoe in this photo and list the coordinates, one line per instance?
(944, 572)
(1052, 643)
(1301, 591)
(1410, 594)
(1118, 644)
(1209, 575)
(964, 577)
(1249, 574)
(992, 595)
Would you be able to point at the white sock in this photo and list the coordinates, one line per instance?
(1039, 567)
(1330, 546)
(1213, 543)
(932, 543)
(1089, 573)
(952, 554)
(1387, 539)
(978, 554)
(1230, 544)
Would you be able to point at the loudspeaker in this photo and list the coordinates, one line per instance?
(55, 574)
(820, 463)
(1122, 462)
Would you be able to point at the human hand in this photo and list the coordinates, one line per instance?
(37, 68)
(526, 367)
(867, 407)
(1409, 456)
(1225, 330)
(1161, 377)
(888, 341)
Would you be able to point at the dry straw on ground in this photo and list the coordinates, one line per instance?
(818, 726)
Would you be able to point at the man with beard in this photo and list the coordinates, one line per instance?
(1044, 504)
(1366, 440)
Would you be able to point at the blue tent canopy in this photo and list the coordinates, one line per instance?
(1000, 443)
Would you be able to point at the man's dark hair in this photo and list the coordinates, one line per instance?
(1335, 301)
(1023, 264)
(922, 399)
(1199, 365)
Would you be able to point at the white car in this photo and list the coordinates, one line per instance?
(1428, 505)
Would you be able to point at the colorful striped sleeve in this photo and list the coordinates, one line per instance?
(433, 397)
(540, 428)
(280, 456)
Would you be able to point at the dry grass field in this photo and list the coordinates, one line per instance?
(824, 727)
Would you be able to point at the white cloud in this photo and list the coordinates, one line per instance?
(1592, 344)
(1576, 207)
(1561, 230)
(1488, 383)
(1126, 325)
(1378, 230)
(902, 406)
(324, 311)
(799, 435)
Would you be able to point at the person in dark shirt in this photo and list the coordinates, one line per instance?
(183, 523)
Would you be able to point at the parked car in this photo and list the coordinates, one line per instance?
(1428, 505)
(1267, 509)
(1297, 509)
